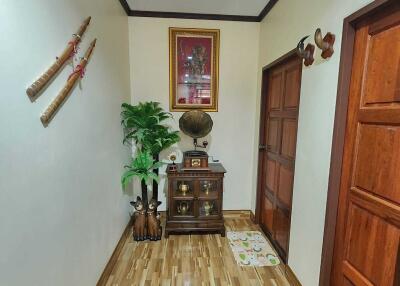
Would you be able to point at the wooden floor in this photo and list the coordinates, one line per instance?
(191, 260)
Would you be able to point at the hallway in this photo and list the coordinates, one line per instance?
(192, 260)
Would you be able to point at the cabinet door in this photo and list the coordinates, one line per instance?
(209, 204)
(183, 208)
(182, 204)
(183, 188)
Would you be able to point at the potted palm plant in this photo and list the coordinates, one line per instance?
(142, 167)
(143, 126)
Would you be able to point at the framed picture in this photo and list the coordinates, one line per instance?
(194, 69)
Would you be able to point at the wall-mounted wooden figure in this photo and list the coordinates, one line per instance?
(154, 229)
(139, 224)
(325, 44)
(306, 53)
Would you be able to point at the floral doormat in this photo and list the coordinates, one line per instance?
(250, 248)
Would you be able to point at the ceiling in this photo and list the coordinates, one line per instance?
(218, 7)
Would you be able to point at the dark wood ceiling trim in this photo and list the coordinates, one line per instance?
(126, 7)
(198, 16)
(220, 17)
(266, 10)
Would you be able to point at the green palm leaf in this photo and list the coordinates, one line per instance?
(142, 124)
(142, 167)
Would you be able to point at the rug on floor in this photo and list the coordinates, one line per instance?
(250, 248)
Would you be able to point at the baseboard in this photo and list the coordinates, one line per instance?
(236, 213)
(114, 257)
(291, 276)
(252, 217)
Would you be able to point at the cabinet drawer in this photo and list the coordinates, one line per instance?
(194, 225)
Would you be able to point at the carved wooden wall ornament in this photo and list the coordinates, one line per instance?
(306, 53)
(325, 44)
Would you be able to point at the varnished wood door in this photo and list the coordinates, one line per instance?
(367, 235)
(281, 88)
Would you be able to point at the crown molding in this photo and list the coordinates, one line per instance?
(266, 10)
(198, 16)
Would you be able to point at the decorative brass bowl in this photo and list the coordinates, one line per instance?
(184, 188)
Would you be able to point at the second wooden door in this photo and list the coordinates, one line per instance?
(281, 88)
(367, 242)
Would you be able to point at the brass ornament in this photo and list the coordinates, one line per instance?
(183, 208)
(184, 188)
(208, 208)
(207, 187)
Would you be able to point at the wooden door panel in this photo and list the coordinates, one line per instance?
(289, 132)
(270, 176)
(273, 135)
(346, 282)
(384, 208)
(285, 186)
(292, 86)
(351, 273)
(268, 214)
(275, 90)
(281, 229)
(367, 239)
(371, 245)
(377, 167)
(382, 78)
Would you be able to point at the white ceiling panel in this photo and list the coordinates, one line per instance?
(225, 7)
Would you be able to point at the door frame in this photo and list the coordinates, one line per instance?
(346, 60)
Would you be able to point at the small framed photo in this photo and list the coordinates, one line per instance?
(194, 69)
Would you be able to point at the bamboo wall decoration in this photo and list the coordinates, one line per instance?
(73, 78)
(69, 51)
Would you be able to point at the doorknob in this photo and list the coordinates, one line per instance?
(262, 147)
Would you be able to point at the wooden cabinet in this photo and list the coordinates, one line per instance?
(195, 200)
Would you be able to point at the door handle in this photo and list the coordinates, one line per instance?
(262, 147)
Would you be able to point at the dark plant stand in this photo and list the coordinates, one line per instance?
(144, 193)
(155, 184)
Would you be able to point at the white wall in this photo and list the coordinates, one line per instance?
(232, 138)
(280, 31)
(62, 210)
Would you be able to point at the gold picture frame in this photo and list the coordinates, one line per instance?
(194, 69)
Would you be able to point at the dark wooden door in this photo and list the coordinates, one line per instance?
(367, 235)
(281, 93)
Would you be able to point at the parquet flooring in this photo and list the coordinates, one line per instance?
(191, 260)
